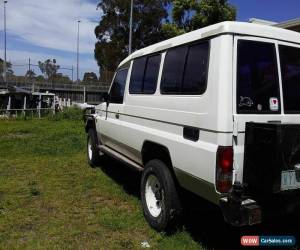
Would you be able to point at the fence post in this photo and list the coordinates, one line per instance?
(53, 105)
(39, 105)
(8, 105)
(84, 94)
(24, 107)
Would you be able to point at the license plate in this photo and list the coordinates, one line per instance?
(289, 181)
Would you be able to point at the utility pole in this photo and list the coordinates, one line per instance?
(72, 73)
(78, 51)
(28, 72)
(130, 28)
(4, 64)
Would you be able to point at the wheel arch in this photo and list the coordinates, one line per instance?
(153, 150)
(90, 123)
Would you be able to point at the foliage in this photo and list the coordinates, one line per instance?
(113, 30)
(106, 77)
(90, 77)
(60, 78)
(151, 24)
(49, 68)
(30, 74)
(68, 113)
(9, 71)
(190, 15)
(171, 30)
(40, 78)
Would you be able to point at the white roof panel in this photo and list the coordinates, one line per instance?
(241, 28)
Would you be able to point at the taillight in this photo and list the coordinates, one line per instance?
(224, 169)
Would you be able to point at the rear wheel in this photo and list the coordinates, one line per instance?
(160, 201)
(93, 153)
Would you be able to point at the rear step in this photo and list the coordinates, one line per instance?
(120, 157)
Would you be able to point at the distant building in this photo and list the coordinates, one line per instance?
(293, 24)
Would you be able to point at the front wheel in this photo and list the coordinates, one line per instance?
(160, 201)
(93, 153)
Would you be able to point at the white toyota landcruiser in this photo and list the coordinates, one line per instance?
(215, 111)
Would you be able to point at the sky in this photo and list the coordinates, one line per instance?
(42, 29)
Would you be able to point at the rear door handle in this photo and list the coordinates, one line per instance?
(117, 115)
(191, 133)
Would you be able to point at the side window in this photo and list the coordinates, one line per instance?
(195, 75)
(144, 75)
(151, 74)
(118, 86)
(185, 70)
(290, 70)
(257, 77)
(173, 70)
(137, 75)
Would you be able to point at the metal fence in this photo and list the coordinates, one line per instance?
(15, 113)
(37, 85)
(75, 92)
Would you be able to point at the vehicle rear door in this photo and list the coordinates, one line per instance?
(257, 94)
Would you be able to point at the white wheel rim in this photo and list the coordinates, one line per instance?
(90, 151)
(154, 196)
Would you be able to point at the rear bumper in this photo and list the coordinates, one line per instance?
(246, 213)
(238, 209)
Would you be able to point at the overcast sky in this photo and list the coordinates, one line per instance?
(42, 29)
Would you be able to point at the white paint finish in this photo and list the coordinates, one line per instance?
(161, 118)
(242, 28)
(109, 126)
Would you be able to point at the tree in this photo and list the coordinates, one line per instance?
(49, 68)
(190, 15)
(9, 71)
(60, 78)
(40, 78)
(30, 74)
(90, 77)
(113, 30)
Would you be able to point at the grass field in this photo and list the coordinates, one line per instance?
(51, 199)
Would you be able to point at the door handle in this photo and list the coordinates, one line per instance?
(117, 115)
(190, 133)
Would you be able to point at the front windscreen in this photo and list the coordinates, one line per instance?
(290, 70)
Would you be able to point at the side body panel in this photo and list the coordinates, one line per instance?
(161, 119)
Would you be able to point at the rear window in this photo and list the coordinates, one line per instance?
(290, 70)
(257, 78)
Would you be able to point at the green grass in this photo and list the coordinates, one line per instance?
(51, 199)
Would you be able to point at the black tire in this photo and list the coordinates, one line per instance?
(93, 156)
(170, 205)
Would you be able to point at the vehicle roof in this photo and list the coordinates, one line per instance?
(241, 28)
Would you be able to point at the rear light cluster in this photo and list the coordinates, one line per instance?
(224, 169)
